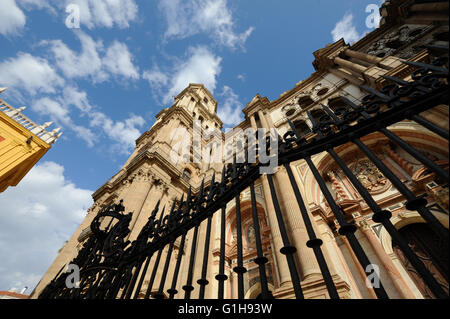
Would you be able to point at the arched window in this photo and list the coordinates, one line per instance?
(290, 112)
(317, 114)
(186, 175)
(322, 91)
(305, 101)
(337, 105)
(302, 127)
(427, 246)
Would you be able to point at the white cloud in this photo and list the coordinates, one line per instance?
(123, 133)
(118, 61)
(212, 17)
(86, 63)
(12, 18)
(201, 66)
(92, 61)
(39, 4)
(241, 77)
(59, 112)
(346, 29)
(33, 74)
(155, 77)
(230, 111)
(106, 13)
(37, 216)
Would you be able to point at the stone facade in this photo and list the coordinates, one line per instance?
(149, 174)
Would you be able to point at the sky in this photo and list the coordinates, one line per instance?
(103, 78)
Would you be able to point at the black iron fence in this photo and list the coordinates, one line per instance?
(111, 267)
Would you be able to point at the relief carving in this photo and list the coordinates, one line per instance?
(370, 176)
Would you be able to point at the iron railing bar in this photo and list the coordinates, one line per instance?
(160, 294)
(426, 66)
(346, 229)
(203, 281)
(134, 279)
(188, 288)
(221, 277)
(260, 260)
(408, 148)
(128, 279)
(413, 202)
(364, 128)
(431, 126)
(313, 241)
(383, 217)
(94, 288)
(239, 269)
(416, 154)
(173, 291)
(153, 275)
(288, 250)
(141, 279)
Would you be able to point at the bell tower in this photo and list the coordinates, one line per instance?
(149, 175)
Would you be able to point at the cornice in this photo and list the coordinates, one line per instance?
(145, 157)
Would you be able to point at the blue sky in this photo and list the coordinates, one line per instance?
(104, 82)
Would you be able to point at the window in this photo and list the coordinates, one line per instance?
(322, 91)
(205, 100)
(317, 115)
(337, 105)
(186, 175)
(305, 101)
(441, 36)
(290, 112)
(415, 33)
(302, 127)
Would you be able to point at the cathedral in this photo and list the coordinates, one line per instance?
(411, 31)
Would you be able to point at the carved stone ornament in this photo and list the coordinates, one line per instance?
(370, 176)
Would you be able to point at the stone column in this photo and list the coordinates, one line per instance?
(293, 219)
(347, 76)
(350, 65)
(175, 123)
(253, 122)
(136, 195)
(337, 186)
(269, 121)
(404, 164)
(362, 56)
(392, 271)
(263, 120)
(281, 263)
(153, 196)
(440, 7)
(358, 266)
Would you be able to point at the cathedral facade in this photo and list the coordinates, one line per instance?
(409, 31)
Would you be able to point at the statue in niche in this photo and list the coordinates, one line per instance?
(251, 234)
